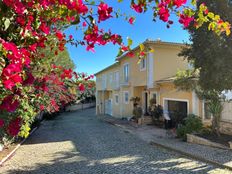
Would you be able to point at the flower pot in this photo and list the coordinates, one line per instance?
(140, 121)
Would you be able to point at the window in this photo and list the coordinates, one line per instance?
(111, 78)
(126, 97)
(143, 64)
(116, 78)
(116, 99)
(98, 79)
(126, 72)
(104, 80)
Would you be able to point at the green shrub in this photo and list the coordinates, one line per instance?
(156, 112)
(137, 112)
(192, 124)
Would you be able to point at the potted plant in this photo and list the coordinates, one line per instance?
(137, 110)
(155, 111)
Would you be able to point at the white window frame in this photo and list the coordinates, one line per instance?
(110, 78)
(124, 75)
(98, 79)
(141, 63)
(104, 81)
(115, 101)
(124, 97)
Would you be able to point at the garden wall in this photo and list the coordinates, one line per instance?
(226, 127)
(80, 106)
(226, 118)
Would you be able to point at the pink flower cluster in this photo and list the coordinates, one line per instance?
(104, 12)
(163, 11)
(14, 126)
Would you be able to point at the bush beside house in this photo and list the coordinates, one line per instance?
(191, 124)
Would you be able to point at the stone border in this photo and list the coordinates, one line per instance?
(202, 141)
(184, 153)
(16, 148)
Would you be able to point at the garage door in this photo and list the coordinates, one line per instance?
(108, 106)
(177, 110)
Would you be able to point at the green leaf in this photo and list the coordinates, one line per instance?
(142, 47)
(194, 2)
(129, 41)
(7, 23)
(211, 15)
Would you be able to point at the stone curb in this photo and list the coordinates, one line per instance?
(16, 148)
(196, 157)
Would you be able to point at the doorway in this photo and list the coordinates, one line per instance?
(177, 109)
(145, 103)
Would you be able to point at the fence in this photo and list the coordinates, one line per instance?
(227, 112)
(80, 106)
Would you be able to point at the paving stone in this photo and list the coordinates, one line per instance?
(80, 143)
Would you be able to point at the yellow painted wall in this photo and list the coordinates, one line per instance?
(136, 77)
(98, 82)
(109, 84)
(167, 61)
(168, 90)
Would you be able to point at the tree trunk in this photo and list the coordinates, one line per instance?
(216, 125)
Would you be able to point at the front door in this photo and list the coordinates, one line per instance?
(145, 105)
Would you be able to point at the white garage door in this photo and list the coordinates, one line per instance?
(108, 106)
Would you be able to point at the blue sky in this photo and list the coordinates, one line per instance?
(143, 28)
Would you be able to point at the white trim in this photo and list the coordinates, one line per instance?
(175, 99)
(116, 103)
(124, 94)
(195, 103)
(145, 64)
(203, 109)
(150, 70)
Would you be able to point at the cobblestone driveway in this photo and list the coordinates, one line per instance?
(79, 143)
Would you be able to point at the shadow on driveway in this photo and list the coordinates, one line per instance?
(77, 142)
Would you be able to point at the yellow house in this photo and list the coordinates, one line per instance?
(152, 78)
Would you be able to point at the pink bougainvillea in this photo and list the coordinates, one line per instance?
(14, 127)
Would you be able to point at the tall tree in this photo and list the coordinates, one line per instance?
(210, 53)
(58, 58)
